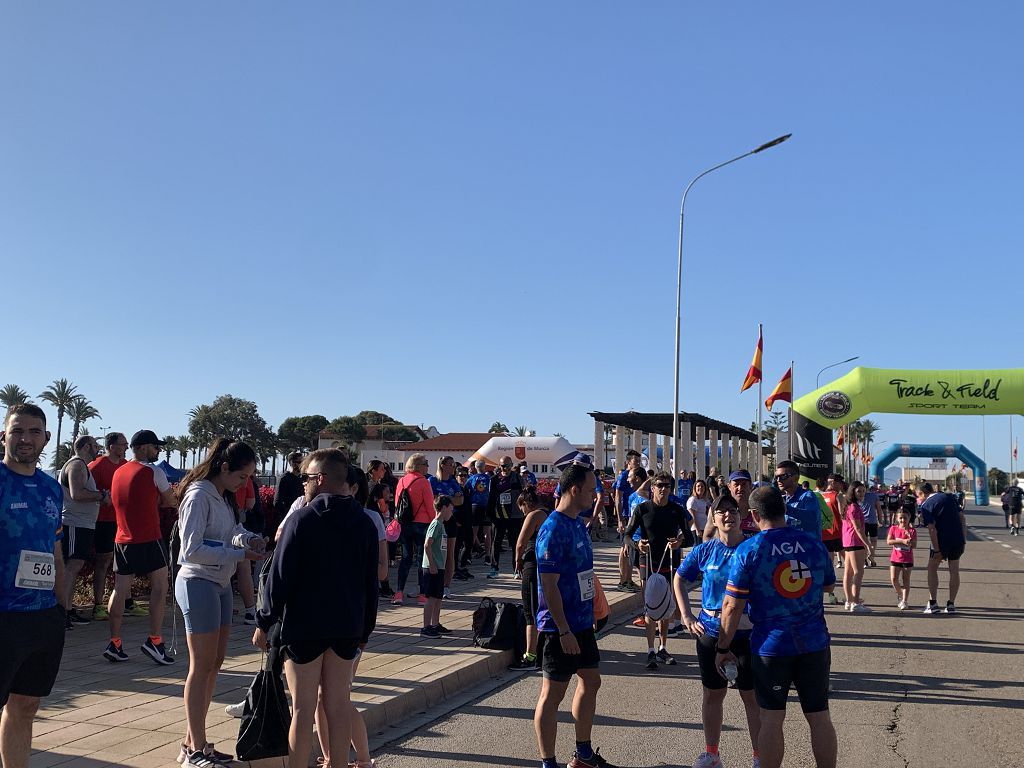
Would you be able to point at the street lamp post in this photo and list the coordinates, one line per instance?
(817, 379)
(679, 288)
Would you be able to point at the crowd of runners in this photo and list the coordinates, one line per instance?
(763, 556)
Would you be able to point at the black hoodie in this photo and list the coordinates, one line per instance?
(323, 579)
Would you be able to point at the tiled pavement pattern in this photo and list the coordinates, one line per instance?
(131, 714)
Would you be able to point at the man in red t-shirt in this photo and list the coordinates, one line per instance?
(102, 470)
(138, 489)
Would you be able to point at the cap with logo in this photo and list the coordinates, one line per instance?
(145, 437)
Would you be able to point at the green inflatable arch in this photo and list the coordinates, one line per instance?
(880, 390)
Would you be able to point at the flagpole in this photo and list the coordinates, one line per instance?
(792, 397)
(760, 405)
(1012, 476)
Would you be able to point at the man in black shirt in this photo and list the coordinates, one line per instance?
(289, 488)
(1014, 502)
(664, 529)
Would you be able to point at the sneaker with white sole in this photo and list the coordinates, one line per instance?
(250, 617)
(114, 652)
(398, 598)
(208, 750)
(860, 608)
(199, 759)
(235, 710)
(932, 607)
(707, 760)
(950, 607)
(156, 652)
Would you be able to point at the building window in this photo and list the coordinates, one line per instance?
(534, 470)
(544, 468)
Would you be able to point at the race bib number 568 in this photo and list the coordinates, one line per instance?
(35, 570)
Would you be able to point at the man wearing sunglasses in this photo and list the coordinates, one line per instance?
(800, 502)
(664, 529)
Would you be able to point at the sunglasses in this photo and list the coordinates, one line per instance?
(663, 485)
(785, 476)
(306, 477)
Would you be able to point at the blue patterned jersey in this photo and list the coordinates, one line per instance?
(448, 487)
(803, 507)
(479, 486)
(713, 558)
(783, 572)
(29, 527)
(563, 547)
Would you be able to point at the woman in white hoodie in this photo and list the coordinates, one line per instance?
(212, 544)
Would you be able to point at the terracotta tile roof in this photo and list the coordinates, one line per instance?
(453, 441)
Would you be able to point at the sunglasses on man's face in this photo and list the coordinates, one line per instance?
(663, 485)
(306, 477)
(786, 476)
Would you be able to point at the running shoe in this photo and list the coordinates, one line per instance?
(250, 617)
(235, 710)
(208, 750)
(115, 652)
(707, 760)
(398, 598)
(665, 658)
(932, 607)
(429, 632)
(460, 575)
(847, 606)
(421, 599)
(68, 626)
(136, 610)
(447, 593)
(199, 759)
(629, 586)
(442, 629)
(831, 599)
(594, 762)
(860, 608)
(386, 591)
(652, 660)
(75, 618)
(901, 605)
(493, 573)
(950, 608)
(100, 613)
(677, 630)
(157, 652)
(639, 621)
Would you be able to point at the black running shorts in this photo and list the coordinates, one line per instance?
(808, 672)
(833, 545)
(31, 644)
(77, 543)
(531, 599)
(480, 515)
(951, 552)
(871, 530)
(139, 559)
(305, 651)
(561, 666)
(103, 540)
(433, 583)
(709, 676)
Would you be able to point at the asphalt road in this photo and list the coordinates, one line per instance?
(907, 689)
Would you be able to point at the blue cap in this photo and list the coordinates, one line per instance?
(583, 460)
(740, 474)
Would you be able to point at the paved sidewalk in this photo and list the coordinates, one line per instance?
(131, 714)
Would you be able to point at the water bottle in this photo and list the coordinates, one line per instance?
(730, 670)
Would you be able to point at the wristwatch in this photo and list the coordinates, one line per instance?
(722, 650)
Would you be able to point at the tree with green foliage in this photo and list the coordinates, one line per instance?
(348, 430)
(522, 431)
(81, 411)
(391, 429)
(231, 417)
(182, 444)
(300, 433)
(170, 445)
(12, 394)
(61, 395)
(498, 428)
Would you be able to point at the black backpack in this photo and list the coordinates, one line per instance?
(403, 507)
(500, 627)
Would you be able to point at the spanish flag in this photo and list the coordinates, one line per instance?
(754, 373)
(841, 438)
(783, 390)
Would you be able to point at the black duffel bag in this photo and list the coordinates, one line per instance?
(266, 718)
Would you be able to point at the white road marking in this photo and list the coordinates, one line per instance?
(1005, 545)
(1017, 552)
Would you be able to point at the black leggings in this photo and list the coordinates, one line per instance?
(504, 529)
(464, 545)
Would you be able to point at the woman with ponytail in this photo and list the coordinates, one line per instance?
(213, 542)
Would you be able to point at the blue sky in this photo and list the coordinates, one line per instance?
(460, 212)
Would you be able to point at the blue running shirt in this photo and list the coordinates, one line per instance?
(803, 506)
(29, 527)
(713, 558)
(448, 487)
(782, 572)
(563, 547)
(479, 487)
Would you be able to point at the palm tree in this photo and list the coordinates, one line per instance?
(169, 446)
(12, 394)
(522, 431)
(80, 411)
(199, 428)
(61, 394)
(497, 428)
(868, 429)
(182, 444)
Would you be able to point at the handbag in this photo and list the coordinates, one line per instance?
(266, 718)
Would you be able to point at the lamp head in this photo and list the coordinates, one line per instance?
(772, 143)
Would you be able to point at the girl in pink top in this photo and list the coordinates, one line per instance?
(855, 548)
(902, 538)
